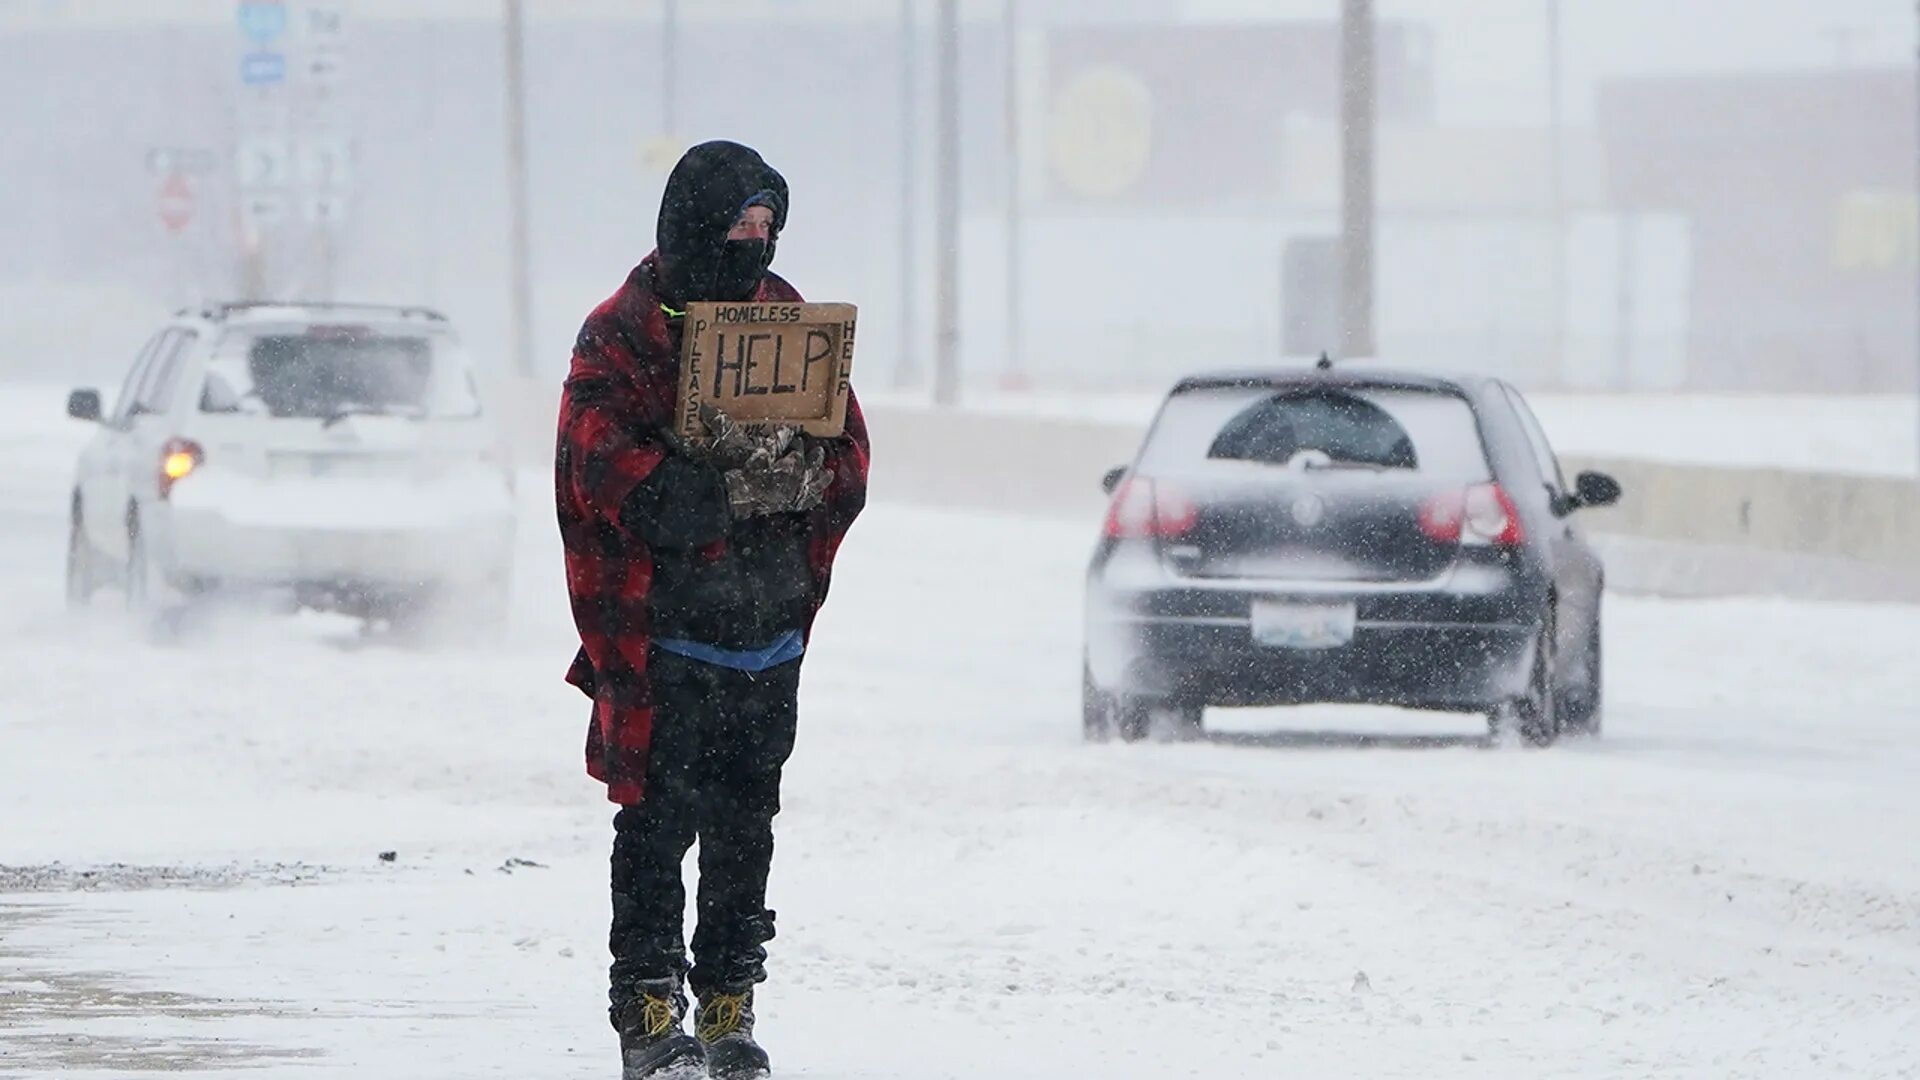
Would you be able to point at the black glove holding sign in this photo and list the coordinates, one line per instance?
(771, 471)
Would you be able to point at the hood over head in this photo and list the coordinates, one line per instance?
(713, 184)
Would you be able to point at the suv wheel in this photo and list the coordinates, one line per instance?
(1581, 713)
(1096, 708)
(1535, 714)
(81, 581)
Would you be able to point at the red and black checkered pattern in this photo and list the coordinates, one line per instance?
(615, 410)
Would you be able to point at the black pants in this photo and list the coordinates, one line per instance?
(720, 738)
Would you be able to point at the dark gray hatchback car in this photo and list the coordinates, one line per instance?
(1345, 535)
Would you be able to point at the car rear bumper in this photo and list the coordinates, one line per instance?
(1456, 666)
(1461, 642)
(391, 548)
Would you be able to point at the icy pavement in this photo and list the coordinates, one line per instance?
(192, 837)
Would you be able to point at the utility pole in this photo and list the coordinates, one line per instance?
(518, 246)
(946, 356)
(1356, 205)
(906, 368)
(1016, 351)
(1557, 198)
(669, 31)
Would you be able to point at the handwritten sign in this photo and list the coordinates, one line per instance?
(767, 364)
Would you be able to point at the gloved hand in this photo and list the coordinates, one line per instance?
(768, 471)
(794, 481)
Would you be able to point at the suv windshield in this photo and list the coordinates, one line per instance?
(1362, 429)
(332, 372)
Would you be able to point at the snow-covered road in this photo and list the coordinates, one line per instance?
(1726, 886)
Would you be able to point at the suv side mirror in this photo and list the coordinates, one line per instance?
(84, 405)
(1113, 478)
(1596, 489)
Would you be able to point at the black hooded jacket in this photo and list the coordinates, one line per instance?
(709, 189)
(760, 584)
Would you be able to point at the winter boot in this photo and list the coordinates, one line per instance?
(725, 1027)
(652, 1044)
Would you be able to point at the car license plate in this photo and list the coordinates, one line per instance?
(1289, 625)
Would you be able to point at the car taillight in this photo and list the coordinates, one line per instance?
(178, 459)
(1142, 509)
(1482, 514)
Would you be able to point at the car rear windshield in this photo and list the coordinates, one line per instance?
(328, 372)
(1352, 429)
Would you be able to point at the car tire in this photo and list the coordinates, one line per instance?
(1096, 709)
(1582, 713)
(1178, 721)
(1535, 715)
(82, 579)
(139, 571)
(1131, 718)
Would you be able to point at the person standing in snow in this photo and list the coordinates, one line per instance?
(695, 573)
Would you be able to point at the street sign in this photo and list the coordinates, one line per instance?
(263, 162)
(326, 22)
(328, 210)
(262, 20)
(326, 164)
(192, 160)
(263, 68)
(326, 68)
(174, 203)
(263, 208)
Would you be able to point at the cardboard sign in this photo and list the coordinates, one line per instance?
(765, 364)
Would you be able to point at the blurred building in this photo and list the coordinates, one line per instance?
(1729, 231)
(1797, 193)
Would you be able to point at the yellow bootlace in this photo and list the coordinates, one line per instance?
(657, 1015)
(720, 1016)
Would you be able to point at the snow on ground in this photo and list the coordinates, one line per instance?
(1723, 887)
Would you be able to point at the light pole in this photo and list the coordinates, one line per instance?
(1016, 359)
(946, 355)
(906, 370)
(1557, 198)
(1356, 203)
(518, 245)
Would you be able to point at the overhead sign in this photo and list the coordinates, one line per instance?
(174, 203)
(263, 68)
(767, 364)
(262, 20)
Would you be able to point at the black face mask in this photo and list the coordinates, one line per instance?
(741, 266)
(728, 275)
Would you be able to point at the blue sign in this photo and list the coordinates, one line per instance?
(262, 21)
(263, 68)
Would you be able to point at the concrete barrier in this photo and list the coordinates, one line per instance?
(1679, 529)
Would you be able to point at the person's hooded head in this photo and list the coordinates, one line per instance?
(722, 211)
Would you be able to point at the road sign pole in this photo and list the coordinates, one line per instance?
(1356, 204)
(518, 242)
(946, 356)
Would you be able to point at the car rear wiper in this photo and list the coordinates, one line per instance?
(361, 410)
(1364, 466)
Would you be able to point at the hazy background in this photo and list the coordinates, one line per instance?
(1736, 209)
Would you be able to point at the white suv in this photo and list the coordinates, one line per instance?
(339, 451)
